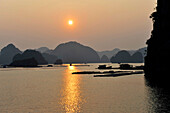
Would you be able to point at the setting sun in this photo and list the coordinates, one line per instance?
(70, 22)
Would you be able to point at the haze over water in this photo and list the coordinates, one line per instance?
(37, 23)
(55, 89)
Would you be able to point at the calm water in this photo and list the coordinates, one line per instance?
(56, 90)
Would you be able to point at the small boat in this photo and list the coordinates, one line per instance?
(104, 67)
(50, 66)
(4, 66)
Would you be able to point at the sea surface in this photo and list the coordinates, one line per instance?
(57, 90)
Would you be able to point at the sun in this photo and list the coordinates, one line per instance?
(70, 22)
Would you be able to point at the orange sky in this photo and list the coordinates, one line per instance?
(101, 24)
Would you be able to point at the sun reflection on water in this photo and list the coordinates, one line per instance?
(71, 68)
(71, 99)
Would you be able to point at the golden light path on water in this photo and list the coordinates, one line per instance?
(71, 99)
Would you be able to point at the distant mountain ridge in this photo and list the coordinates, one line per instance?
(42, 49)
(113, 52)
(69, 52)
(108, 53)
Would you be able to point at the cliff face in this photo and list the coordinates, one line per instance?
(125, 57)
(28, 54)
(73, 52)
(105, 59)
(7, 53)
(157, 60)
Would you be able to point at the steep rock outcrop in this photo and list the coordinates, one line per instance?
(143, 51)
(105, 59)
(137, 58)
(121, 57)
(31, 62)
(28, 54)
(51, 59)
(7, 54)
(125, 57)
(73, 52)
(157, 60)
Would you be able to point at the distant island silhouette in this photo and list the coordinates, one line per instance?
(111, 53)
(29, 62)
(28, 54)
(125, 57)
(105, 59)
(7, 54)
(70, 52)
(73, 52)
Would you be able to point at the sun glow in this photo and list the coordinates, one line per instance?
(71, 67)
(70, 22)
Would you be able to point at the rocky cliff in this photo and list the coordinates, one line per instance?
(28, 54)
(73, 52)
(125, 57)
(157, 60)
(7, 53)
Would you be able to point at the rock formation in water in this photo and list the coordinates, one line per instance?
(137, 58)
(30, 62)
(28, 54)
(105, 59)
(157, 61)
(73, 52)
(51, 59)
(58, 62)
(143, 51)
(113, 52)
(7, 54)
(125, 57)
(121, 57)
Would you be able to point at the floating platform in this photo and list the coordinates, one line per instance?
(120, 74)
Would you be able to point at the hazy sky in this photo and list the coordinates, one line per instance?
(101, 24)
